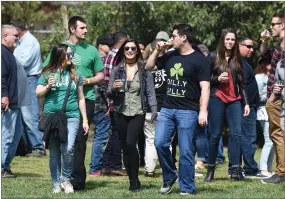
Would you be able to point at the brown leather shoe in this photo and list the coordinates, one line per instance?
(118, 172)
(105, 172)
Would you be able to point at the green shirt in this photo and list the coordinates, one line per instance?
(87, 62)
(55, 97)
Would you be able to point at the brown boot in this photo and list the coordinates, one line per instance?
(118, 173)
(105, 172)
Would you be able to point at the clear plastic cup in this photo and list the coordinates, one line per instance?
(52, 75)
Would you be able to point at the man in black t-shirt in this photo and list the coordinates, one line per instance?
(188, 80)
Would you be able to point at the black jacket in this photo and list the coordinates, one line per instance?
(9, 81)
(237, 79)
(251, 87)
(55, 127)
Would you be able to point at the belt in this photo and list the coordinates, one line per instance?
(32, 75)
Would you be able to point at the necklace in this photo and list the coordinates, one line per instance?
(131, 63)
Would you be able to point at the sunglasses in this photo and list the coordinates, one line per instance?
(248, 46)
(273, 24)
(133, 48)
(70, 54)
(15, 35)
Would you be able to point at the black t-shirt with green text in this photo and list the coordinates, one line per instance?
(184, 74)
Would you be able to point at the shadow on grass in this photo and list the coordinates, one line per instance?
(90, 185)
(29, 175)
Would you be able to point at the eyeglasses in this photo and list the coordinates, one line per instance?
(70, 54)
(273, 24)
(133, 48)
(248, 46)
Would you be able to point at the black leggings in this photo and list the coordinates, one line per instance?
(129, 128)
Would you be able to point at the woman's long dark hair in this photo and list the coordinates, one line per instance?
(220, 62)
(120, 56)
(57, 58)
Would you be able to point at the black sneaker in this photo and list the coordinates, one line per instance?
(220, 161)
(167, 188)
(274, 179)
(7, 174)
(36, 153)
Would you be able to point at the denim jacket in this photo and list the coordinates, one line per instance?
(147, 92)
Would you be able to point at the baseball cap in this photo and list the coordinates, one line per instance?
(203, 48)
(162, 35)
(104, 39)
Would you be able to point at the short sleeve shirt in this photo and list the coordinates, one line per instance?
(184, 74)
(87, 61)
(55, 97)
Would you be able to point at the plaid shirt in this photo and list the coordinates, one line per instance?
(276, 56)
(101, 102)
(110, 62)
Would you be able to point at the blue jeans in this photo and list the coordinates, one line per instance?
(202, 145)
(62, 153)
(217, 112)
(186, 121)
(248, 147)
(267, 152)
(10, 135)
(30, 116)
(101, 136)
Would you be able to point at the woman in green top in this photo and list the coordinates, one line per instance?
(52, 85)
(132, 91)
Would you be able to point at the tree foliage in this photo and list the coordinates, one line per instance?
(142, 20)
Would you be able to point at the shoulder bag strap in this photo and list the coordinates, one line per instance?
(66, 95)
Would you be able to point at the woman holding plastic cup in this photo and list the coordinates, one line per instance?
(132, 90)
(227, 91)
(61, 154)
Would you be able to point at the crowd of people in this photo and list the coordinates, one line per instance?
(143, 102)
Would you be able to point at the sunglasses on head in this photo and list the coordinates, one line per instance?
(133, 48)
(248, 46)
(70, 54)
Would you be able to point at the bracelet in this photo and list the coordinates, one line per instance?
(85, 121)
(88, 80)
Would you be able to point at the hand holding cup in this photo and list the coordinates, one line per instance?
(277, 87)
(224, 77)
(265, 35)
(51, 80)
(117, 84)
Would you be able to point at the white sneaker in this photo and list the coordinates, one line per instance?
(67, 186)
(198, 174)
(56, 190)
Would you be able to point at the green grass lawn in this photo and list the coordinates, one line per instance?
(34, 181)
